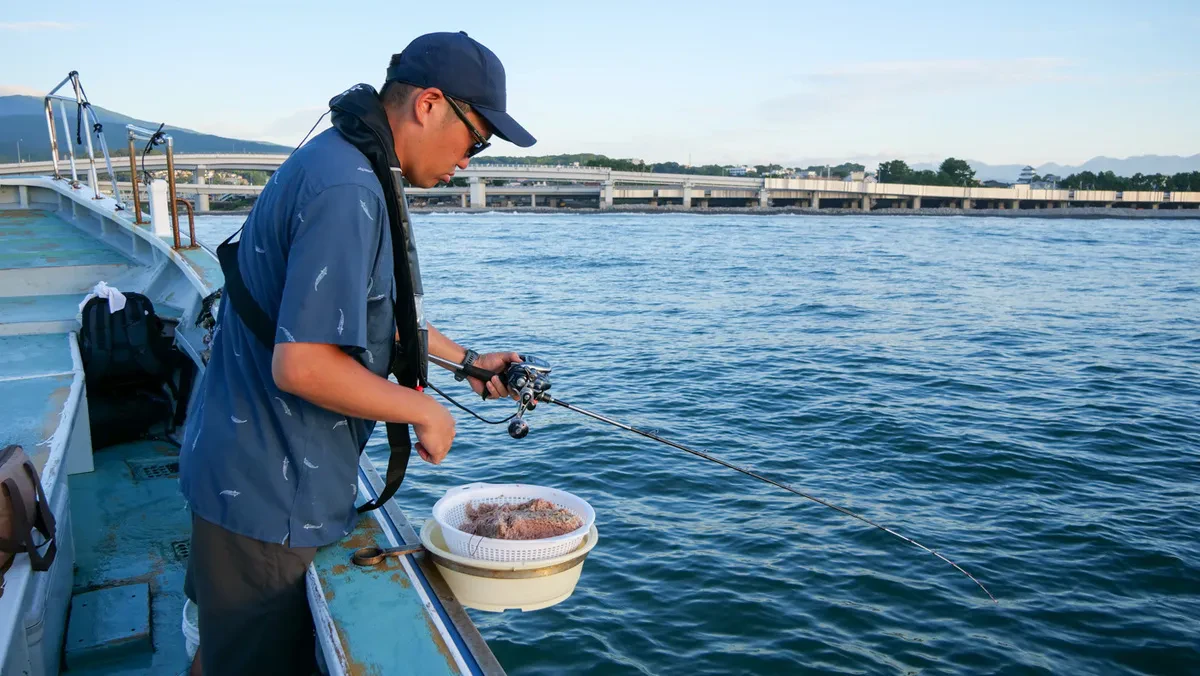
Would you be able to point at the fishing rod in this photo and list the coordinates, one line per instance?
(530, 379)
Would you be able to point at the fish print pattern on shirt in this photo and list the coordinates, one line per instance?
(309, 464)
(320, 275)
(231, 493)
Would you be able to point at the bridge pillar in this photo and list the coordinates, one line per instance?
(866, 203)
(966, 203)
(764, 197)
(533, 199)
(816, 201)
(464, 200)
(202, 197)
(478, 193)
(606, 195)
(687, 195)
(916, 202)
(1016, 204)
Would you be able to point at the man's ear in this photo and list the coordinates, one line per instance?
(424, 103)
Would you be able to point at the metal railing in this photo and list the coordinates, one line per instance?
(83, 115)
(154, 138)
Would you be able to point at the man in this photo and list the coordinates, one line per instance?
(270, 453)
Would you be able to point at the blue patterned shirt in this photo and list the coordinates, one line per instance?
(316, 252)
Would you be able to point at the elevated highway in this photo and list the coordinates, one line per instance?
(507, 185)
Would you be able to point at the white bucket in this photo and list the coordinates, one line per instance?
(529, 585)
(191, 627)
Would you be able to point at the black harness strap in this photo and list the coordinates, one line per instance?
(248, 309)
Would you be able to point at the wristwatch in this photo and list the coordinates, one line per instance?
(469, 359)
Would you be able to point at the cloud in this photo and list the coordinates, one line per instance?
(19, 90)
(30, 27)
(871, 85)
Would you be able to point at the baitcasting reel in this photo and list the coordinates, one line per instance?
(529, 378)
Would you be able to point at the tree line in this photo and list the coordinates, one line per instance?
(1186, 181)
(951, 171)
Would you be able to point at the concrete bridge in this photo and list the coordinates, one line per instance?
(523, 185)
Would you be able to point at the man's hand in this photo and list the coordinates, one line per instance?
(496, 362)
(434, 437)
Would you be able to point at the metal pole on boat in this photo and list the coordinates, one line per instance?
(92, 176)
(62, 108)
(171, 187)
(53, 136)
(133, 179)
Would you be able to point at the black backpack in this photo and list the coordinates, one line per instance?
(128, 359)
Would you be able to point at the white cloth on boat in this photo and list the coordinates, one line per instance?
(116, 299)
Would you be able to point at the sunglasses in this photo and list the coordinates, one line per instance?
(481, 144)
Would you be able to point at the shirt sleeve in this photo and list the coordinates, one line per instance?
(330, 256)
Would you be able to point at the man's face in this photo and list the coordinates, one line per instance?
(442, 140)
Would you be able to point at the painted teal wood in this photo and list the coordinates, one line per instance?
(32, 410)
(33, 239)
(107, 624)
(23, 356)
(380, 617)
(25, 309)
(129, 529)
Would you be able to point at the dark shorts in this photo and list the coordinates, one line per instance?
(254, 616)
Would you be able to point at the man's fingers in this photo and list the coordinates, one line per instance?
(497, 388)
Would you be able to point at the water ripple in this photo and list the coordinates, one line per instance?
(1021, 395)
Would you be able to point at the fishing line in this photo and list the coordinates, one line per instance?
(650, 435)
(529, 379)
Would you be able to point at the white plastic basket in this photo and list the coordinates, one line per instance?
(450, 512)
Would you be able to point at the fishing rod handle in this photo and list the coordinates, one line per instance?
(482, 374)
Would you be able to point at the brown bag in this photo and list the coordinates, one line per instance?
(23, 508)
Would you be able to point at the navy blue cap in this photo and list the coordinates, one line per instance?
(464, 70)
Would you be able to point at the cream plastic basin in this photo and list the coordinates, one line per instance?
(497, 586)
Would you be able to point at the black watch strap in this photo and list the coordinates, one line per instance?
(460, 374)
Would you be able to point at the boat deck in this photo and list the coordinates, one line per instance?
(132, 526)
(122, 520)
(124, 527)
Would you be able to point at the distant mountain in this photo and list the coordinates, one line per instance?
(1141, 164)
(23, 118)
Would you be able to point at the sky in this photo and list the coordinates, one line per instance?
(700, 82)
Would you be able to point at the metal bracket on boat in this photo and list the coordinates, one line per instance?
(373, 556)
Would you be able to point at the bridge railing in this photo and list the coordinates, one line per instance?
(83, 115)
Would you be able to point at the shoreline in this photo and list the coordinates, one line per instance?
(1069, 212)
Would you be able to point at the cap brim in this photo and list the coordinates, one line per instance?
(505, 127)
